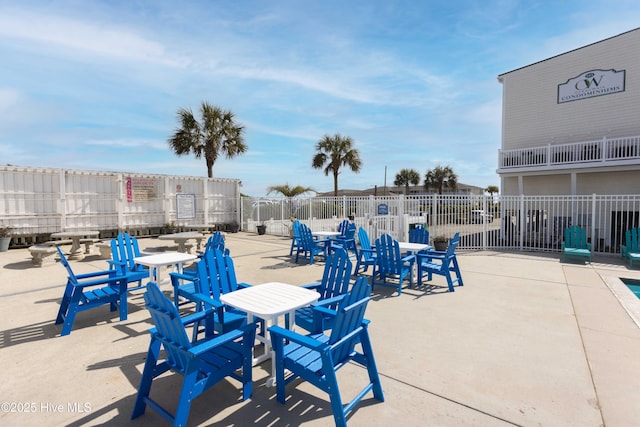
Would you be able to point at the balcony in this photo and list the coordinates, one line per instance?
(605, 152)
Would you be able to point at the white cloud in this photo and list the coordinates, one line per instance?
(88, 37)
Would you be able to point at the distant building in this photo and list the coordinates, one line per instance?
(571, 123)
(414, 190)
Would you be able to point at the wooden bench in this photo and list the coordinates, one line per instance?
(42, 255)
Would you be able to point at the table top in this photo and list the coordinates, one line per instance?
(182, 235)
(165, 258)
(413, 247)
(88, 233)
(270, 299)
(326, 233)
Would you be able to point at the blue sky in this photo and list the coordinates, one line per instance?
(97, 84)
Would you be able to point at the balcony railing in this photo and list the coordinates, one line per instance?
(607, 151)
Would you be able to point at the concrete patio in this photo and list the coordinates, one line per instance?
(528, 341)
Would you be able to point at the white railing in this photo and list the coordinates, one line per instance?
(533, 223)
(606, 150)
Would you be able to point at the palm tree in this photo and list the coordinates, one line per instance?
(333, 152)
(492, 189)
(441, 177)
(288, 191)
(215, 134)
(406, 177)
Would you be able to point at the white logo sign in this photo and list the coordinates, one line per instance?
(591, 83)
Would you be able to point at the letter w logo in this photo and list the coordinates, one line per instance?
(586, 83)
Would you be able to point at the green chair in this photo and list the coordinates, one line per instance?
(575, 243)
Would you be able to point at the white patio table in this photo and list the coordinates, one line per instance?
(156, 262)
(326, 234)
(413, 247)
(269, 301)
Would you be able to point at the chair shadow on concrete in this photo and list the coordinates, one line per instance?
(283, 261)
(261, 409)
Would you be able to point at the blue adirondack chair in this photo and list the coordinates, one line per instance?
(295, 239)
(575, 243)
(202, 364)
(310, 247)
(366, 253)
(316, 358)
(441, 263)
(631, 248)
(90, 290)
(215, 275)
(216, 240)
(332, 288)
(347, 238)
(124, 249)
(419, 235)
(389, 263)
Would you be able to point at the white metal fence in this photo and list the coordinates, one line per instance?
(36, 202)
(484, 222)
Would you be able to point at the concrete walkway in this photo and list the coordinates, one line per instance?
(527, 341)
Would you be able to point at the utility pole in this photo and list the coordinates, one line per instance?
(385, 180)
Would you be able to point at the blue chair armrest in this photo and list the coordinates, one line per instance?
(328, 301)
(314, 285)
(206, 299)
(409, 258)
(199, 315)
(183, 276)
(428, 256)
(205, 346)
(280, 333)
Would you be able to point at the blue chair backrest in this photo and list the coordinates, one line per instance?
(419, 235)
(306, 238)
(336, 276)
(63, 260)
(451, 251)
(296, 229)
(124, 249)
(388, 255)
(349, 317)
(633, 240)
(169, 328)
(575, 237)
(363, 238)
(215, 241)
(347, 229)
(216, 274)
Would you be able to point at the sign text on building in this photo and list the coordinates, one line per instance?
(591, 83)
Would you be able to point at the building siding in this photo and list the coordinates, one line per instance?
(532, 116)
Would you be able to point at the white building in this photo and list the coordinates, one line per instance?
(571, 123)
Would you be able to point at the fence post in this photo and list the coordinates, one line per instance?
(484, 223)
(345, 214)
(522, 222)
(167, 201)
(120, 203)
(205, 201)
(62, 201)
(593, 219)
